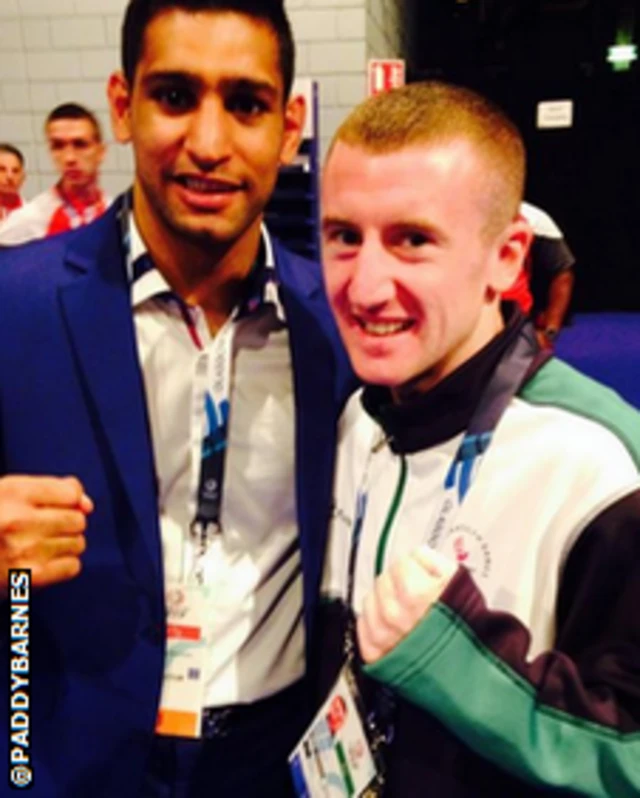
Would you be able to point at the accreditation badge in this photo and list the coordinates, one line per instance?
(334, 758)
(180, 712)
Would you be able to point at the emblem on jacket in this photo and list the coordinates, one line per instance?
(467, 546)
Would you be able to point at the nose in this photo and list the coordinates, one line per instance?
(69, 155)
(209, 135)
(371, 286)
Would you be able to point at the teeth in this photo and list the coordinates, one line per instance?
(205, 186)
(387, 328)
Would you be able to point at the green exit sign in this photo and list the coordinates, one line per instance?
(622, 55)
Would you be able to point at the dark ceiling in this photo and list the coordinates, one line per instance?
(515, 36)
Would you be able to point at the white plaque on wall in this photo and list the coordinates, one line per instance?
(555, 114)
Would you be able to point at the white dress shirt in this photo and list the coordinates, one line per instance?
(253, 568)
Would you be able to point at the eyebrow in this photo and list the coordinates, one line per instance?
(228, 84)
(75, 140)
(336, 221)
(426, 226)
(329, 222)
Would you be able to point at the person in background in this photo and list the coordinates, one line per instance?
(481, 581)
(544, 285)
(12, 176)
(167, 432)
(75, 144)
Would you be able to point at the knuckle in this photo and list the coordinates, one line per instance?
(73, 569)
(16, 553)
(73, 486)
(12, 529)
(397, 579)
(8, 483)
(77, 522)
(390, 613)
(396, 571)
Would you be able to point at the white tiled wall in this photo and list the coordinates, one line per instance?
(385, 35)
(53, 52)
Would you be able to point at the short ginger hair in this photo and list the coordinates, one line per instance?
(436, 113)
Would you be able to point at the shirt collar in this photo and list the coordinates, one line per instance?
(148, 283)
(11, 202)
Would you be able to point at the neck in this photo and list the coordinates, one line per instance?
(200, 270)
(490, 325)
(86, 195)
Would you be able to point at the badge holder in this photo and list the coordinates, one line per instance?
(180, 712)
(340, 754)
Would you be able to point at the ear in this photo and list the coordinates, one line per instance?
(119, 97)
(294, 117)
(511, 250)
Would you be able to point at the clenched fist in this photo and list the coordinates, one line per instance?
(42, 524)
(401, 597)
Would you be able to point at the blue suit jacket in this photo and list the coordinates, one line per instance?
(72, 402)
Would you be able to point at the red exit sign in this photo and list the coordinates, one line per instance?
(386, 74)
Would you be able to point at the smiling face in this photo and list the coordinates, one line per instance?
(412, 277)
(209, 125)
(11, 175)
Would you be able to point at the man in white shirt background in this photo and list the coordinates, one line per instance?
(74, 139)
(11, 179)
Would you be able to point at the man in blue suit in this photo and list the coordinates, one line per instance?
(171, 383)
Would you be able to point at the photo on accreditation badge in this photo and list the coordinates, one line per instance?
(333, 758)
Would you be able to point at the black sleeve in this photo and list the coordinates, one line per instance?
(550, 256)
(598, 609)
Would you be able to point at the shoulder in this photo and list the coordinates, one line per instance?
(30, 254)
(357, 428)
(295, 270)
(542, 224)
(586, 410)
(28, 222)
(303, 296)
(43, 262)
(301, 286)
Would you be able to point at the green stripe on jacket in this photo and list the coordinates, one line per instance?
(443, 668)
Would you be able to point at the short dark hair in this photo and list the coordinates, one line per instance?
(140, 13)
(9, 148)
(74, 111)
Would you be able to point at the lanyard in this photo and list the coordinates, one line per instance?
(494, 400)
(206, 524)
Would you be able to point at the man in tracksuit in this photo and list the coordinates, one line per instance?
(482, 576)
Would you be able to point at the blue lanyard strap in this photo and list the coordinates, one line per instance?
(502, 387)
(211, 479)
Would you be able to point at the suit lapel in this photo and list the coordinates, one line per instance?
(96, 305)
(315, 375)
(315, 444)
